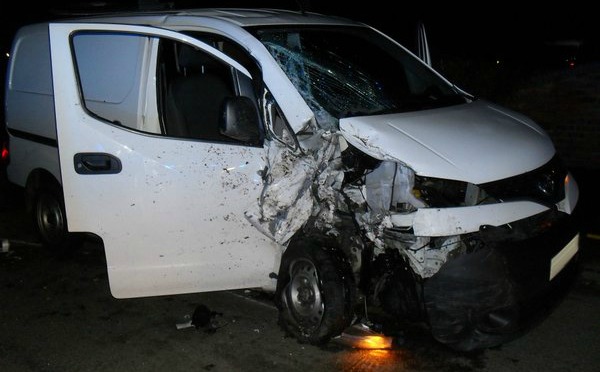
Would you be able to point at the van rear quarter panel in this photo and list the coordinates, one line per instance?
(29, 106)
(29, 100)
(26, 156)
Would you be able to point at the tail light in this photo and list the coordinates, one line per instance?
(4, 153)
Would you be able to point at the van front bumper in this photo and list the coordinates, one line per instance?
(503, 282)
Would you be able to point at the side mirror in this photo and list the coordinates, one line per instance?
(239, 120)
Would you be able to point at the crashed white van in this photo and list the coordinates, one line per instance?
(307, 155)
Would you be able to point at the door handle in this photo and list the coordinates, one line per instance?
(96, 163)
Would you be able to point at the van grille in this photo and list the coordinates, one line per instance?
(544, 185)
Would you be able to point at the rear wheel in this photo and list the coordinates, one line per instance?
(50, 219)
(314, 294)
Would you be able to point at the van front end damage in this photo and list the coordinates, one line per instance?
(433, 213)
(472, 260)
(403, 191)
(469, 259)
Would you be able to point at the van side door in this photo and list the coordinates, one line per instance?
(144, 165)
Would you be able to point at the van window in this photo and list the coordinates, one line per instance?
(110, 74)
(156, 85)
(193, 88)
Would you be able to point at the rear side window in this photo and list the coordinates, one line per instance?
(110, 75)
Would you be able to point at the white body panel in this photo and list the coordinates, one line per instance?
(29, 105)
(462, 220)
(31, 156)
(475, 142)
(175, 218)
(37, 109)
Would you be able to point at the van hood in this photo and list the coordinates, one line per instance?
(475, 142)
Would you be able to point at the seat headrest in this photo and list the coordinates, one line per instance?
(192, 59)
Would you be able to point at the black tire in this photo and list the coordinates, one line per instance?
(50, 219)
(314, 294)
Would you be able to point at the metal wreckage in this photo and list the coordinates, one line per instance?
(362, 228)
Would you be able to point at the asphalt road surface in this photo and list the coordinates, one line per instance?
(57, 314)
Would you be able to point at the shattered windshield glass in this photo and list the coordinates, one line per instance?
(354, 71)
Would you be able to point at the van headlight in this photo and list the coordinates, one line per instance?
(439, 192)
(394, 187)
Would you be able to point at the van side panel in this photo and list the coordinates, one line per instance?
(30, 117)
(30, 104)
(26, 156)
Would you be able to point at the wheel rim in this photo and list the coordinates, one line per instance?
(50, 219)
(304, 294)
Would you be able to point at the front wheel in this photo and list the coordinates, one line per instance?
(314, 294)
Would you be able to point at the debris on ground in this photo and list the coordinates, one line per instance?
(187, 323)
(203, 318)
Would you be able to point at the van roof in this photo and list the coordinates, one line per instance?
(239, 17)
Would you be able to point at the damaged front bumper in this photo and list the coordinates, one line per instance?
(428, 236)
(460, 220)
(438, 233)
(481, 272)
(498, 286)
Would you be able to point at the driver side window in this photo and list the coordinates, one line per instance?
(185, 98)
(193, 86)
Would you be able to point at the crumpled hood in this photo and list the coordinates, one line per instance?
(476, 142)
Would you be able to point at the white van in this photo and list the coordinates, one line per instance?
(307, 155)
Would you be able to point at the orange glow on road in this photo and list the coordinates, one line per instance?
(374, 342)
(380, 360)
(379, 354)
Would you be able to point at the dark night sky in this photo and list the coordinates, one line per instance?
(490, 29)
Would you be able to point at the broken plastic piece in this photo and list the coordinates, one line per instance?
(184, 325)
(360, 336)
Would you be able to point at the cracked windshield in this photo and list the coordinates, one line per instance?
(355, 71)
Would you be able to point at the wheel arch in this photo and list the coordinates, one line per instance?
(38, 179)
